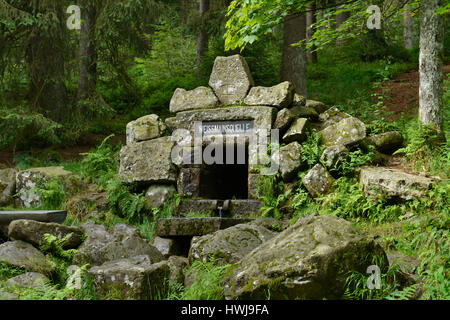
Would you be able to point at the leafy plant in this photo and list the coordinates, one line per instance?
(312, 149)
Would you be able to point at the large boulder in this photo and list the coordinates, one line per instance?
(33, 232)
(320, 107)
(386, 142)
(28, 180)
(168, 247)
(28, 280)
(124, 242)
(199, 98)
(229, 245)
(7, 185)
(289, 160)
(24, 255)
(318, 181)
(284, 119)
(158, 195)
(148, 162)
(136, 278)
(393, 183)
(347, 132)
(297, 131)
(304, 112)
(279, 96)
(145, 128)
(309, 260)
(231, 79)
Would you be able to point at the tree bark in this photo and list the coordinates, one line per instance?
(294, 58)
(340, 19)
(431, 64)
(88, 56)
(408, 27)
(203, 38)
(310, 20)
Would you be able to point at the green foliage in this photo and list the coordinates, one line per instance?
(8, 271)
(124, 202)
(355, 159)
(51, 244)
(101, 164)
(207, 284)
(51, 193)
(269, 191)
(312, 149)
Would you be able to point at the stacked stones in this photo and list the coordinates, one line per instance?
(232, 96)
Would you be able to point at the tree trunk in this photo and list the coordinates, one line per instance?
(408, 27)
(202, 42)
(340, 19)
(431, 64)
(294, 58)
(310, 20)
(48, 93)
(88, 56)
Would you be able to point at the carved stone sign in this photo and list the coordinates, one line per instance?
(243, 127)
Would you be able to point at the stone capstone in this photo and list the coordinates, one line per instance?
(199, 98)
(393, 183)
(145, 128)
(318, 181)
(279, 96)
(229, 245)
(33, 232)
(148, 162)
(309, 260)
(231, 79)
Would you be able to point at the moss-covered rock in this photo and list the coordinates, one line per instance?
(297, 131)
(347, 132)
(199, 98)
(318, 181)
(145, 128)
(387, 142)
(279, 96)
(310, 260)
(7, 185)
(332, 116)
(289, 161)
(229, 245)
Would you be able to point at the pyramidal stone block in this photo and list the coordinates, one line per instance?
(231, 79)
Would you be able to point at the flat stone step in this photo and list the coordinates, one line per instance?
(58, 216)
(189, 227)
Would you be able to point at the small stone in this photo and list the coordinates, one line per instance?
(156, 196)
(199, 98)
(318, 181)
(305, 112)
(289, 161)
(231, 79)
(334, 156)
(299, 100)
(297, 131)
(284, 119)
(347, 132)
(316, 105)
(171, 124)
(145, 128)
(279, 96)
(167, 247)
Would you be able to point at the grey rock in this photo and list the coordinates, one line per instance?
(178, 266)
(136, 278)
(318, 181)
(334, 156)
(320, 107)
(305, 112)
(297, 131)
(279, 96)
(393, 183)
(386, 142)
(309, 260)
(171, 124)
(28, 280)
(231, 79)
(347, 132)
(158, 195)
(284, 119)
(245, 209)
(102, 246)
(7, 185)
(148, 162)
(332, 116)
(299, 100)
(176, 227)
(188, 183)
(167, 247)
(145, 128)
(33, 232)
(28, 180)
(289, 160)
(203, 206)
(199, 98)
(24, 255)
(230, 245)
